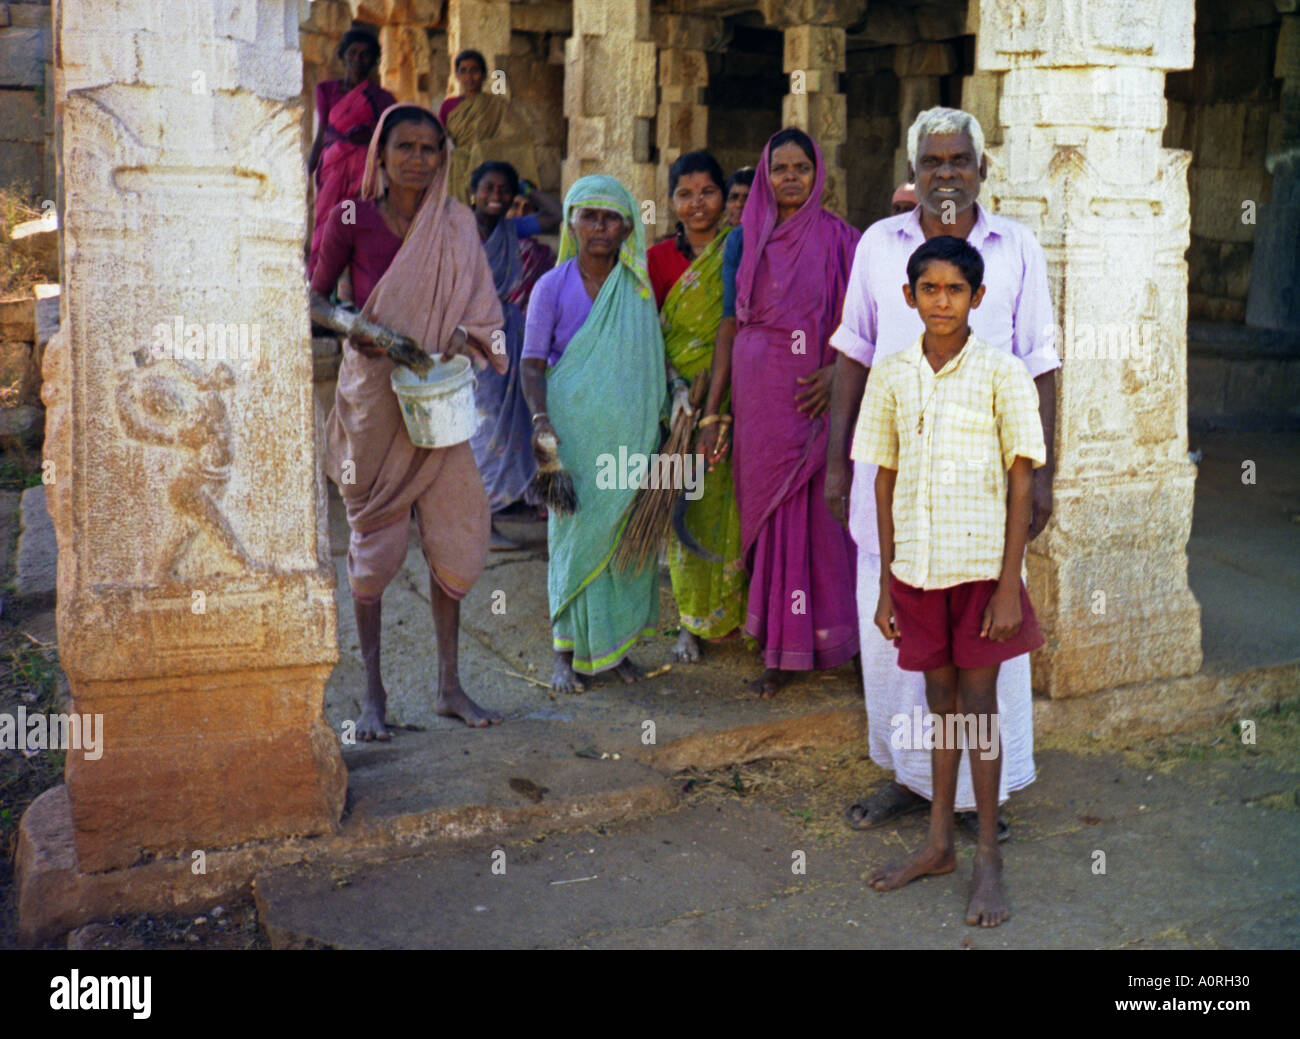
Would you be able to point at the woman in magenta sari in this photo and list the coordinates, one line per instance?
(347, 111)
(784, 274)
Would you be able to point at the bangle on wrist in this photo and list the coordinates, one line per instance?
(709, 420)
(540, 414)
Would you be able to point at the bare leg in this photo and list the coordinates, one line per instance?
(452, 701)
(977, 693)
(687, 649)
(937, 856)
(565, 679)
(370, 726)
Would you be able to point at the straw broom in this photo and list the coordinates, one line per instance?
(554, 483)
(649, 517)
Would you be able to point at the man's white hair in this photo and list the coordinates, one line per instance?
(944, 121)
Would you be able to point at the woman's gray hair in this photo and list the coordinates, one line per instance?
(573, 215)
(944, 121)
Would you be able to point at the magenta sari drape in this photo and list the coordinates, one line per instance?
(343, 162)
(789, 290)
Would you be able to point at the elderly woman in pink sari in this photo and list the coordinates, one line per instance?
(418, 270)
(347, 111)
(784, 274)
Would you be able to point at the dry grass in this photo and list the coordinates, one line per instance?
(17, 273)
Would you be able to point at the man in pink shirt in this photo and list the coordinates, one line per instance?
(947, 163)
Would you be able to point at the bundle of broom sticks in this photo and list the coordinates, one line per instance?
(552, 482)
(650, 514)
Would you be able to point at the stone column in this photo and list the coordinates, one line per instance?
(814, 55)
(682, 124)
(1082, 113)
(919, 67)
(609, 94)
(195, 590)
(481, 25)
(1274, 300)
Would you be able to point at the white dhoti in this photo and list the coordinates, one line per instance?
(891, 691)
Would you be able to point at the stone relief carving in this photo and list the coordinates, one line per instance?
(178, 405)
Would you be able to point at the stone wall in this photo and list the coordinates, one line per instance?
(26, 99)
(1220, 110)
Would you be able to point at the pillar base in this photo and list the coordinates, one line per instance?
(203, 762)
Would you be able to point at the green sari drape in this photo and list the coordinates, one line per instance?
(710, 596)
(604, 397)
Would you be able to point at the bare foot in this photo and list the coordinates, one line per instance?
(370, 726)
(564, 679)
(453, 702)
(769, 683)
(629, 672)
(988, 906)
(687, 649)
(924, 863)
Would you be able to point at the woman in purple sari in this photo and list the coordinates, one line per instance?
(784, 274)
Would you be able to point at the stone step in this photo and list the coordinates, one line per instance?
(1242, 378)
(38, 551)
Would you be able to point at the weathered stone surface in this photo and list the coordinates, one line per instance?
(609, 94)
(18, 377)
(542, 18)
(22, 165)
(195, 596)
(35, 16)
(38, 552)
(1073, 33)
(18, 318)
(1082, 164)
(21, 116)
(22, 56)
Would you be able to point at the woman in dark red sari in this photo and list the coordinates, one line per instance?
(347, 111)
(785, 271)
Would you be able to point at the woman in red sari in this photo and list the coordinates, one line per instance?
(347, 111)
(784, 272)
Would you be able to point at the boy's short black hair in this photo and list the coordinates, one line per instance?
(957, 251)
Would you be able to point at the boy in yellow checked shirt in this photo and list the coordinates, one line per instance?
(953, 425)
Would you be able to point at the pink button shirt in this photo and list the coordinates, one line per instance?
(1016, 314)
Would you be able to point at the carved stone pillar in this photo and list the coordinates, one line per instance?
(1274, 300)
(609, 94)
(195, 590)
(682, 123)
(814, 56)
(481, 25)
(1082, 112)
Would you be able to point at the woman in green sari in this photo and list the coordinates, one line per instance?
(686, 271)
(593, 376)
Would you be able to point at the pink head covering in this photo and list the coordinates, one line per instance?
(782, 245)
(904, 193)
(430, 287)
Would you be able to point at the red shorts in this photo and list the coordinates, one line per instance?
(941, 626)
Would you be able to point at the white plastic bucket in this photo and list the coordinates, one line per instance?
(438, 408)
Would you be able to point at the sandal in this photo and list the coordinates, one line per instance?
(886, 802)
(970, 822)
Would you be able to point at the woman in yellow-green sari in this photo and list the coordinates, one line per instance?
(686, 274)
(483, 126)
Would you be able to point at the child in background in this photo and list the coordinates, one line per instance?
(953, 425)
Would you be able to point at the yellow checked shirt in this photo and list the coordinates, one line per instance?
(951, 436)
